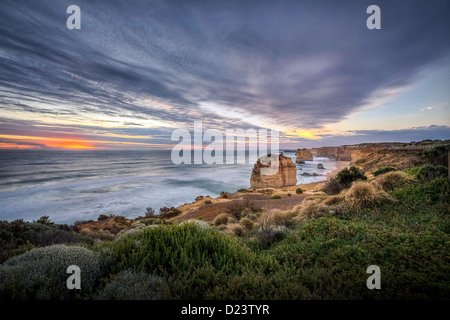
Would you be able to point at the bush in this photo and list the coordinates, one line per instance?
(365, 195)
(102, 217)
(238, 208)
(44, 220)
(120, 220)
(428, 172)
(382, 170)
(421, 195)
(276, 196)
(346, 176)
(332, 186)
(223, 195)
(41, 273)
(272, 226)
(150, 212)
(167, 213)
(333, 254)
(392, 180)
(207, 201)
(317, 207)
(247, 223)
(222, 218)
(289, 194)
(132, 285)
(195, 263)
(298, 191)
(285, 219)
(236, 229)
(437, 155)
(333, 200)
(19, 234)
(197, 223)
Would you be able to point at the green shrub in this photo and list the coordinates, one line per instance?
(132, 285)
(41, 273)
(102, 217)
(437, 155)
(382, 170)
(298, 191)
(333, 254)
(428, 172)
(207, 201)
(276, 196)
(194, 262)
(289, 194)
(18, 233)
(347, 175)
(436, 191)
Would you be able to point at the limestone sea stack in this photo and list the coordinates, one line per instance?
(303, 155)
(286, 175)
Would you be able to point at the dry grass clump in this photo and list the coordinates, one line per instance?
(318, 207)
(223, 218)
(236, 229)
(98, 235)
(332, 186)
(333, 200)
(283, 218)
(392, 180)
(364, 195)
(312, 207)
(247, 223)
(268, 230)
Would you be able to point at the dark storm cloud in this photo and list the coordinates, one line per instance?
(303, 63)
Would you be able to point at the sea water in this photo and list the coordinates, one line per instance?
(74, 185)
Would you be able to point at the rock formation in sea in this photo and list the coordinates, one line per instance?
(303, 155)
(286, 175)
(320, 166)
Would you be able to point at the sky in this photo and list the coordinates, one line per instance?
(138, 70)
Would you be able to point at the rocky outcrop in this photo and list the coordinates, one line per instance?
(320, 166)
(286, 175)
(307, 174)
(303, 155)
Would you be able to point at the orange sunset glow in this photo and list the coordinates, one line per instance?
(70, 144)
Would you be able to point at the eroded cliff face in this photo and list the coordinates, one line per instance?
(286, 175)
(327, 152)
(303, 155)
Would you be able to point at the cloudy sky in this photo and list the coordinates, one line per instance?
(137, 70)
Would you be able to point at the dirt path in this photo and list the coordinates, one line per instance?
(264, 201)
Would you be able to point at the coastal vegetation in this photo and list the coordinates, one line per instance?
(399, 221)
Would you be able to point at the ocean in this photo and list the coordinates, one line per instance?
(76, 185)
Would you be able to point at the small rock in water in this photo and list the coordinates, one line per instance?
(320, 166)
(306, 174)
